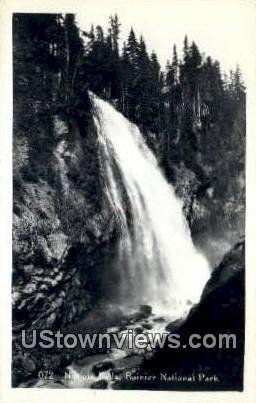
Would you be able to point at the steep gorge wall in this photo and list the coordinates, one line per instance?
(60, 226)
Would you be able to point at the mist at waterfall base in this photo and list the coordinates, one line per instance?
(156, 262)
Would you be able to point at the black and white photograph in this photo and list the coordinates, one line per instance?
(129, 188)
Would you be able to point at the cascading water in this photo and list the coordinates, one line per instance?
(157, 261)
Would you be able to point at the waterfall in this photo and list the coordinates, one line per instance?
(156, 259)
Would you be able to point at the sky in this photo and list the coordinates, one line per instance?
(221, 28)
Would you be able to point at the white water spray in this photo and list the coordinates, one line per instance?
(158, 262)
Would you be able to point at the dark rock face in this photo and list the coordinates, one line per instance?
(220, 311)
(61, 234)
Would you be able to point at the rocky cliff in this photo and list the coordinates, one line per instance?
(62, 228)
